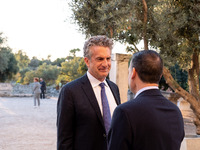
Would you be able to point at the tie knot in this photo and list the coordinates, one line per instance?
(102, 85)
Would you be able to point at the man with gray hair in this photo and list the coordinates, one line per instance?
(85, 105)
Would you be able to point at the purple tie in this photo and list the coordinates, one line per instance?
(106, 108)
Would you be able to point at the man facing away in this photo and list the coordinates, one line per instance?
(149, 121)
(85, 105)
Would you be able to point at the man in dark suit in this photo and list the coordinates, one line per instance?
(43, 88)
(80, 111)
(149, 121)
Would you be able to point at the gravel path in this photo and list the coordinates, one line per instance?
(23, 127)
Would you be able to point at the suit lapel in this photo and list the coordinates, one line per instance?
(114, 92)
(87, 88)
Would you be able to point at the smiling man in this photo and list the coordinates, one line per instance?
(85, 106)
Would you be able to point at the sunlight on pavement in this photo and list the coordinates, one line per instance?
(6, 110)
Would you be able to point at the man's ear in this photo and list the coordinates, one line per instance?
(86, 61)
(133, 73)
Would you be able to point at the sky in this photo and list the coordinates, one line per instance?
(41, 28)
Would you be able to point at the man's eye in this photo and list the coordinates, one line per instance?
(109, 59)
(99, 59)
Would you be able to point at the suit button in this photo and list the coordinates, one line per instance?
(104, 135)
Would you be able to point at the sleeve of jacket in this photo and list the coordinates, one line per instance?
(120, 136)
(65, 120)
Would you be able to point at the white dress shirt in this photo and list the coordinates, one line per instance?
(144, 89)
(97, 91)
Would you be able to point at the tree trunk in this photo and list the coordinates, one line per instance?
(195, 106)
(193, 81)
(193, 76)
(111, 32)
(145, 25)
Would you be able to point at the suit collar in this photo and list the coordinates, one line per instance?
(149, 92)
(87, 88)
(144, 89)
(94, 82)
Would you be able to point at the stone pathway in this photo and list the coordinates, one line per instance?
(188, 115)
(23, 127)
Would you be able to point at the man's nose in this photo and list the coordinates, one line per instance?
(105, 62)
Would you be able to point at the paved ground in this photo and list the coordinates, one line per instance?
(188, 115)
(23, 127)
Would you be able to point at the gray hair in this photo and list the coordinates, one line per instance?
(99, 40)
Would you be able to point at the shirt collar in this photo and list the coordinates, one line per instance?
(94, 82)
(144, 89)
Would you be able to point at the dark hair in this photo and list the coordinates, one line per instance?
(148, 65)
(99, 40)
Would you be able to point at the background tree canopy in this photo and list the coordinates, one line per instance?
(20, 68)
(171, 27)
(8, 63)
(62, 70)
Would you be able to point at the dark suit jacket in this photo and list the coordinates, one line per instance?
(79, 121)
(148, 122)
(43, 85)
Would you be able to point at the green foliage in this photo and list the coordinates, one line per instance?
(47, 61)
(82, 69)
(63, 79)
(172, 26)
(180, 76)
(22, 59)
(34, 63)
(178, 34)
(58, 61)
(48, 72)
(119, 19)
(62, 70)
(4, 60)
(29, 77)
(3, 54)
(8, 63)
(25, 69)
(74, 51)
(100, 16)
(72, 68)
(21, 74)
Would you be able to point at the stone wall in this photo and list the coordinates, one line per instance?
(22, 90)
(18, 90)
(6, 89)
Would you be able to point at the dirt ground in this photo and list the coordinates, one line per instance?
(23, 127)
